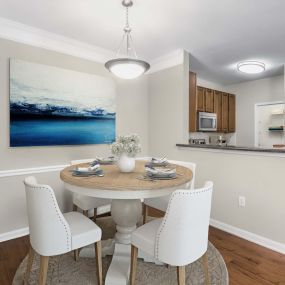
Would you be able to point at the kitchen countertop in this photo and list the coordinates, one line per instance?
(232, 147)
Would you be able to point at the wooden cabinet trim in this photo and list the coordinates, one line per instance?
(225, 112)
(192, 102)
(200, 99)
(232, 113)
(209, 100)
(218, 109)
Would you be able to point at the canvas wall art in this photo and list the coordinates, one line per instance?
(55, 106)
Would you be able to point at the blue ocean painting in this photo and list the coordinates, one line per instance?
(54, 106)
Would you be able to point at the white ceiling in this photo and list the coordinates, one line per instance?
(217, 33)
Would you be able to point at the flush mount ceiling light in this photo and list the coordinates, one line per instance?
(128, 67)
(251, 67)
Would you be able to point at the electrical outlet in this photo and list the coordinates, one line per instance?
(241, 201)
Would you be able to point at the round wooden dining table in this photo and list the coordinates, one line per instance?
(126, 191)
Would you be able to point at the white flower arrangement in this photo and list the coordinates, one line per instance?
(128, 144)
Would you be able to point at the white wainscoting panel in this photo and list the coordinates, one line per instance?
(25, 171)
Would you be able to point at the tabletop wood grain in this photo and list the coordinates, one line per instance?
(115, 180)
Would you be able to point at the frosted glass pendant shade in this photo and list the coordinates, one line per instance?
(127, 68)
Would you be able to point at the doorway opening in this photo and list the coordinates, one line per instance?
(270, 124)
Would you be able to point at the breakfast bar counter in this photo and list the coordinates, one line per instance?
(234, 148)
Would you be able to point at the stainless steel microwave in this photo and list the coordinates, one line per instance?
(207, 122)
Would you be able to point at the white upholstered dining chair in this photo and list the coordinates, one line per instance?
(161, 203)
(181, 236)
(86, 203)
(53, 233)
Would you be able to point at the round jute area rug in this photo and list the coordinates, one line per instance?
(64, 270)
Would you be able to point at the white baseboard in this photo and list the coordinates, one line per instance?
(14, 234)
(260, 240)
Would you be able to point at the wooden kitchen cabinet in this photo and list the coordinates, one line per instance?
(225, 112)
(218, 109)
(192, 102)
(203, 99)
(225, 108)
(200, 99)
(232, 113)
(209, 100)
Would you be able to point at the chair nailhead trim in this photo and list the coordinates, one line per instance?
(68, 240)
(186, 193)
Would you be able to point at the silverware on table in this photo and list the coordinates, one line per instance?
(88, 175)
(146, 178)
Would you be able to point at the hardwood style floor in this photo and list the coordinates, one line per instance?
(12, 253)
(248, 263)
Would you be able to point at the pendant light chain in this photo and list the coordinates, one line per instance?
(127, 18)
(127, 30)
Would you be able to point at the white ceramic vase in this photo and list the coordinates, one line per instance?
(126, 163)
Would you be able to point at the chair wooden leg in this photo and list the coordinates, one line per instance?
(134, 257)
(98, 252)
(75, 208)
(76, 254)
(85, 213)
(206, 268)
(43, 270)
(29, 265)
(145, 213)
(181, 275)
(95, 215)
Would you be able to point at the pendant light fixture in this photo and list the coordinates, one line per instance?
(128, 67)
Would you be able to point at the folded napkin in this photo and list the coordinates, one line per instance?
(103, 160)
(160, 172)
(93, 168)
(158, 160)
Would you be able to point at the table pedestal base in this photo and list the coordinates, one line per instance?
(126, 214)
(119, 270)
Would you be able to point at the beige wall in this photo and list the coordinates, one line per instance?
(132, 116)
(247, 95)
(167, 110)
(258, 178)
